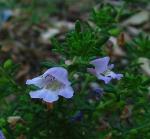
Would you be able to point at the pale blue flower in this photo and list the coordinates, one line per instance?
(53, 83)
(103, 71)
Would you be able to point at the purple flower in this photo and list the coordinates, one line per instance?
(77, 116)
(2, 135)
(97, 91)
(53, 83)
(103, 71)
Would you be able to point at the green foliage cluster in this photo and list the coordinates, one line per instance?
(139, 46)
(127, 98)
(84, 42)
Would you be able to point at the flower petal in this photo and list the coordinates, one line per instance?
(59, 73)
(106, 79)
(38, 94)
(51, 96)
(115, 76)
(66, 92)
(119, 76)
(37, 81)
(2, 135)
(45, 94)
(101, 64)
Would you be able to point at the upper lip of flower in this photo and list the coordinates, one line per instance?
(100, 64)
(58, 73)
